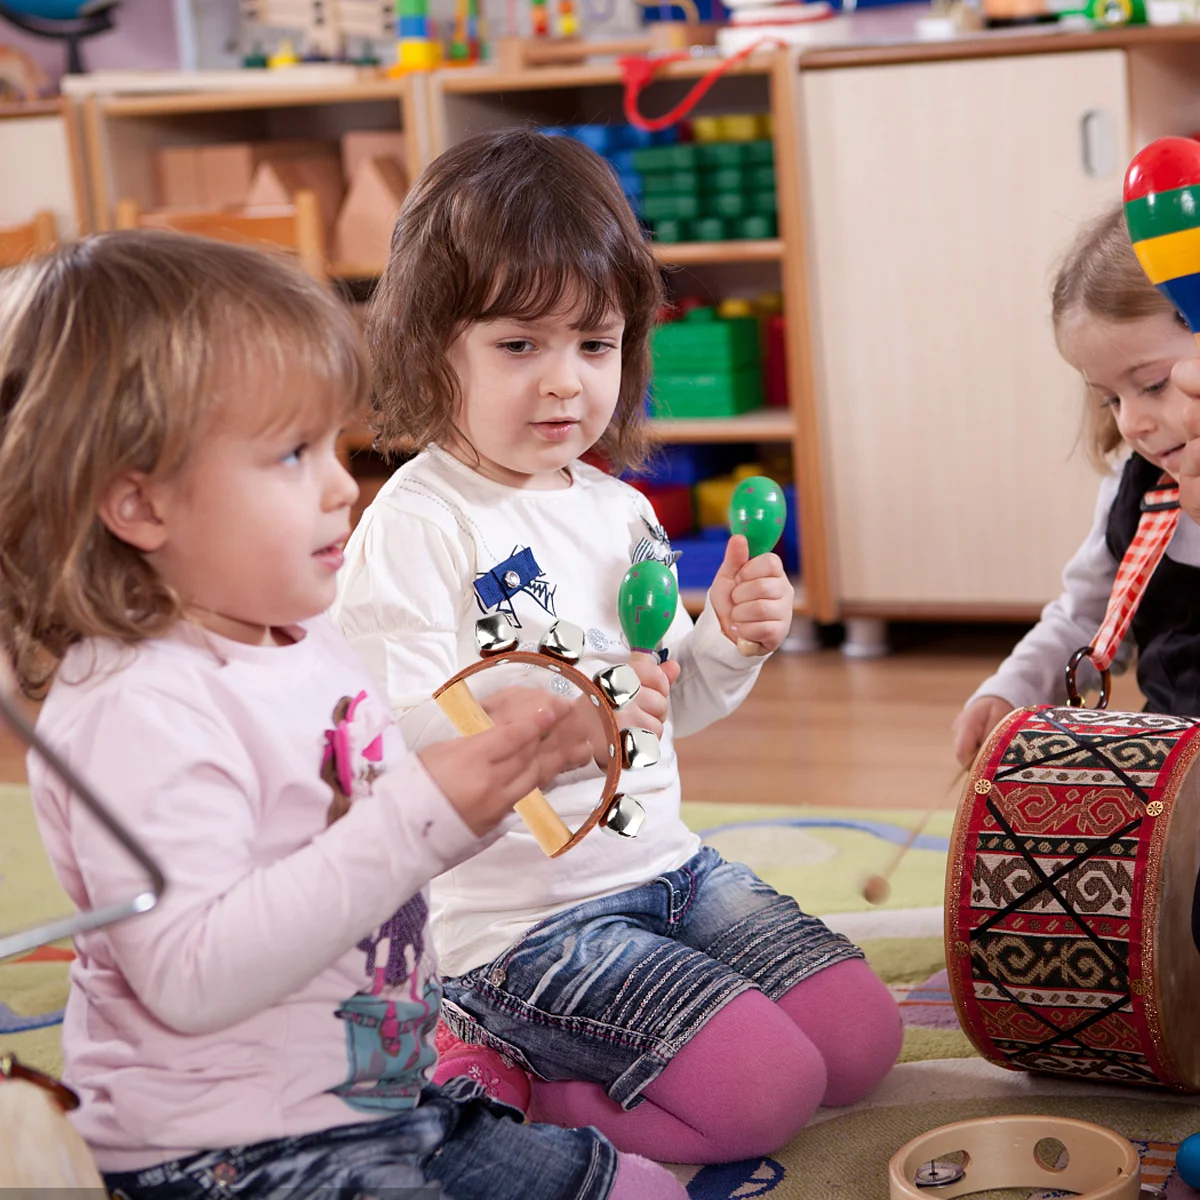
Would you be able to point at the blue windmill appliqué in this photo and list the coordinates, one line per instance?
(517, 573)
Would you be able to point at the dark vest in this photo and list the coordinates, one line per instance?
(1166, 626)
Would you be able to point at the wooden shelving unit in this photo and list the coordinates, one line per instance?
(123, 131)
(467, 101)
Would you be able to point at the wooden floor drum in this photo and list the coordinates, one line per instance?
(1069, 896)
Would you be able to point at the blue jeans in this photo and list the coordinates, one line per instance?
(610, 990)
(455, 1145)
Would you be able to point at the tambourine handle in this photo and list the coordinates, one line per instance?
(548, 828)
(1074, 699)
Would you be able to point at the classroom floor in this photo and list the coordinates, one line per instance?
(822, 729)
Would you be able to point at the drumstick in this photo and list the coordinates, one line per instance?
(877, 888)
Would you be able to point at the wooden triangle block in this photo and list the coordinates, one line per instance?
(363, 234)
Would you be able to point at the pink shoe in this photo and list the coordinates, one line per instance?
(501, 1078)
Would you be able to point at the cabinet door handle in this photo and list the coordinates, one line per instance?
(1098, 143)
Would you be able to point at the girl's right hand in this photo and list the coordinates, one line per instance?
(974, 723)
(484, 775)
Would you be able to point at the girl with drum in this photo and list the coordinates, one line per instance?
(1123, 337)
(667, 997)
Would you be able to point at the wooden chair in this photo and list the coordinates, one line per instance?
(296, 228)
(19, 242)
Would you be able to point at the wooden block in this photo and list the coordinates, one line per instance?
(276, 182)
(363, 233)
(177, 177)
(228, 169)
(361, 144)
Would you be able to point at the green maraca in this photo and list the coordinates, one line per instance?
(757, 510)
(646, 604)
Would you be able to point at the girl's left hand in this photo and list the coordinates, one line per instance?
(1186, 376)
(752, 597)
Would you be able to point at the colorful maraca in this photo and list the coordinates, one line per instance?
(1162, 211)
(757, 510)
(646, 604)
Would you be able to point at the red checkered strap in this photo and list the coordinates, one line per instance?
(1160, 515)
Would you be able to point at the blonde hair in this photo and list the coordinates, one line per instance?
(116, 355)
(1101, 275)
(508, 224)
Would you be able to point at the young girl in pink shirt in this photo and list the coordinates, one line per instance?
(172, 517)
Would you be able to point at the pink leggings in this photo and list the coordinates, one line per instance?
(753, 1076)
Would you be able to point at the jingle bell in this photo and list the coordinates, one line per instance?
(639, 748)
(624, 816)
(494, 634)
(563, 641)
(619, 684)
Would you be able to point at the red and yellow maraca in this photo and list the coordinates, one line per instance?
(1162, 212)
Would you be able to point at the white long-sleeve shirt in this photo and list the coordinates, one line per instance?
(1034, 672)
(284, 983)
(426, 560)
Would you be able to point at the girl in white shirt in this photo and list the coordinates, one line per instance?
(671, 999)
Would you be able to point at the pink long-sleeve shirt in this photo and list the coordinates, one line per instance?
(285, 983)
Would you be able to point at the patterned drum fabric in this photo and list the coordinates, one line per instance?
(1069, 894)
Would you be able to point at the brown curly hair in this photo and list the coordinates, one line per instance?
(507, 224)
(1101, 275)
(117, 354)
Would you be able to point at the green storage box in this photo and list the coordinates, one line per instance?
(758, 153)
(666, 158)
(729, 204)
(723, 179)
(763, 202)
(669, 229)
(706, 394)
(759, 178)
(701, 343)
(757, 225)
(709, 229)
(655, 208)
(670, 183)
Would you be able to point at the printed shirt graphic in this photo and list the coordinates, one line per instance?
(390, 1023)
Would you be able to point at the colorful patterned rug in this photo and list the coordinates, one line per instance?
(821, 856)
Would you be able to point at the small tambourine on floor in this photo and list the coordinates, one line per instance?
(1054, 1153)
(609, 690)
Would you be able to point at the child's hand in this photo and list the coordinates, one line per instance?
(576, 740)
(974, 723)
(752, 598)
(484, 775)
(1186, 377)
(648, 709)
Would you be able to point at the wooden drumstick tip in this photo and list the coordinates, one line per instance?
(876, 890)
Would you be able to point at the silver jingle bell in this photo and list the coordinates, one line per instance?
(624, 816)
(494, 634)
(563, 641)
(639, 748)
(938, 1174)
(619, 684)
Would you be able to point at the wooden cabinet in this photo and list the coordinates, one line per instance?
(43, 166)
(941, 197)
(468, 101)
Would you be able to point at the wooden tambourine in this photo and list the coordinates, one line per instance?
(1002, 1152)
(609, 690)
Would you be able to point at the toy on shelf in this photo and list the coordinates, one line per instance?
(1162, 211)
(417, 48)
(69, 21)
(324, 25)
(705, 366)
(609, 690)
(717, 188)
(466, 40)
(21, 79)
